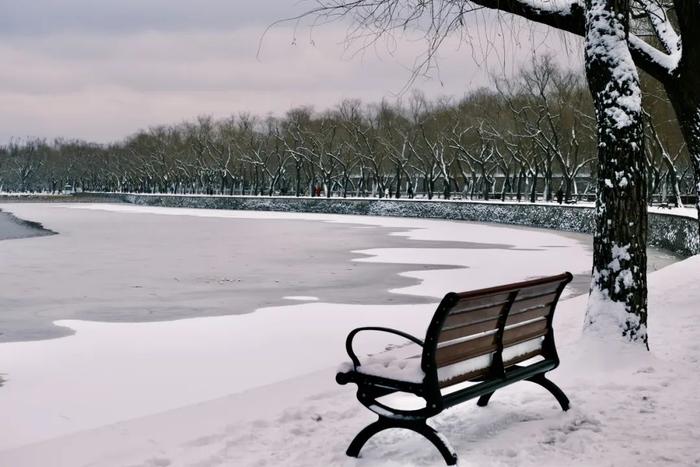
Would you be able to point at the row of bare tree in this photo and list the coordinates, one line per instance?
(532, 137)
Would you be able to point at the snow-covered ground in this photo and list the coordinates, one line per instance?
(684, 211)
(629, 407)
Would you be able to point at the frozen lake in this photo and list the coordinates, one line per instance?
(120, 280)
(129, 264)
(108, 264)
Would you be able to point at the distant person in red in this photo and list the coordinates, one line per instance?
(318, 191)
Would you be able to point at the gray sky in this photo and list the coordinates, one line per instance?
(100, 70)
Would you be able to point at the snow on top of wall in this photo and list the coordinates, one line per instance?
(681, 212)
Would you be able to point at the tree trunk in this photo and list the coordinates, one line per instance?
(618, 296)
(398, 181)
(548, 182)
(533, 190)
(675, 187)
(521, 178)
(568, 188)
(485, 184)
(505, 187)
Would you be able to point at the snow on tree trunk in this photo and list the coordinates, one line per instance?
(618, 297)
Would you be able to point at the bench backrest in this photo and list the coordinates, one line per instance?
(478, 334)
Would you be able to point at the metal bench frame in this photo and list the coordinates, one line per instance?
(371, 387)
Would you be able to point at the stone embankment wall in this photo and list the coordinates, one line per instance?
(676, 233)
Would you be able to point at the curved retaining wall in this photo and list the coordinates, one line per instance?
(676, 233)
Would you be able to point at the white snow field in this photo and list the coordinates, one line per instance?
(258, 388)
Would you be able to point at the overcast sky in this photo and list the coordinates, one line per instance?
(102, 69)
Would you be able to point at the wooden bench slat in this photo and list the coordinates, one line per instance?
(553, 281)
(487, 319)
(481, 373)
(484, 372)
(525, 332)
(473, 317)
(522, 305)
(531, 314)
(473, 375)
(536, 305)
(465, 350)
(539, 289)
(471, 304)
(522, 358)
(467, 330)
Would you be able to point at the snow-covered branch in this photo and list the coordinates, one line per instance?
(659, 20)
(567, 15)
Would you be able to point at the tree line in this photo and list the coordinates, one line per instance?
(530, 137)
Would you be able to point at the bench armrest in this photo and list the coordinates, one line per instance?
(354, 332)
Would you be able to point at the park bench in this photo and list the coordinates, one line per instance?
(476, 337)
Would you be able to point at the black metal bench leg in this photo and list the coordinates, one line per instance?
(438, 441)
(552, 388)
(366, 433)
(419, 426)
(484, 400)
